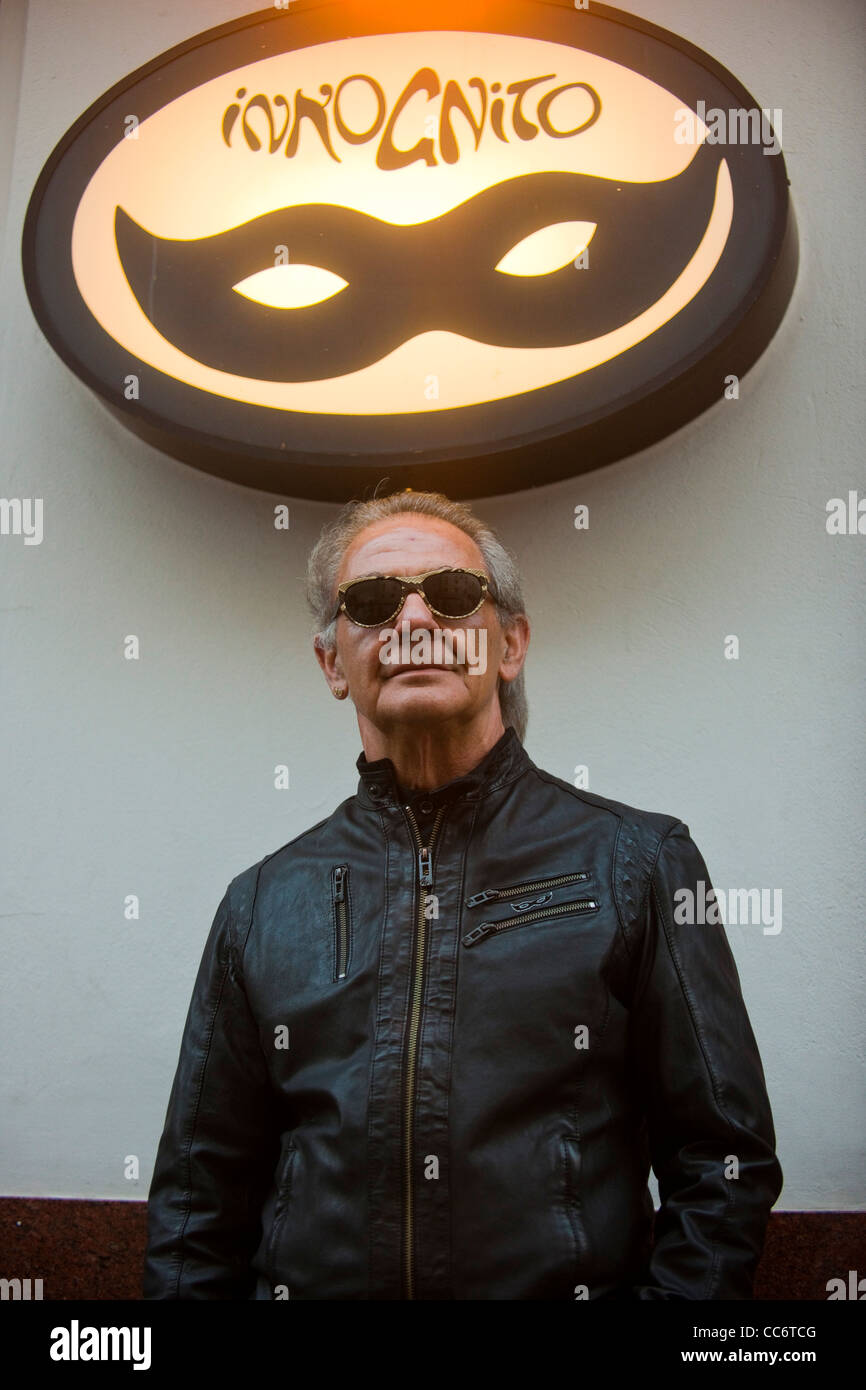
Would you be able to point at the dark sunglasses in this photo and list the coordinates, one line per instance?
(375, 599)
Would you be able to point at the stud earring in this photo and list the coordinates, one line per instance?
(340, 692)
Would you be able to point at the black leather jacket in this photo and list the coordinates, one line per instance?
(435, 1043)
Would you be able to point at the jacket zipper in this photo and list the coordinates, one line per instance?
(424, 863)
(490, 895)
(341, 910)
(508, 923)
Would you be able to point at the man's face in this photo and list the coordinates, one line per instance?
(394, 694)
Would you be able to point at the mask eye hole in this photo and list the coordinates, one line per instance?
(293, 286)
(551, 248)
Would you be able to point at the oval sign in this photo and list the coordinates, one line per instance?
(314, 247)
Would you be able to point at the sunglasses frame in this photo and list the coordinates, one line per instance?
(413, 584)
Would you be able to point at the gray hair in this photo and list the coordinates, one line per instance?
(323, 569)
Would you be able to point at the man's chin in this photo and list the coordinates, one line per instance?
(423, 694)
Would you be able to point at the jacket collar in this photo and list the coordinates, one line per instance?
(507, 759)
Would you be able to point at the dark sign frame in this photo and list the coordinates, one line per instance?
(527, 440)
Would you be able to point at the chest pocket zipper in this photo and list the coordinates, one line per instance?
(539, 885)
(485, 929)
(342, 919)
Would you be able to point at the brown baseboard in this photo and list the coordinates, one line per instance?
(804, 1250)
(95, 1250)
(79, 1249)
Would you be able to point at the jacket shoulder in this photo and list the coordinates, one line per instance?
(653, 824)
(244, 886)
(638, 836)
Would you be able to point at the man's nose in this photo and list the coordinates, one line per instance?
(416, 612)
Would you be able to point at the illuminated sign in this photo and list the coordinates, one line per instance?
(473, 247)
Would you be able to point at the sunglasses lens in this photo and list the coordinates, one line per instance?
(373, 601)
(455, 593)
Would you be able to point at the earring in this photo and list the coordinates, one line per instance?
(340, 692)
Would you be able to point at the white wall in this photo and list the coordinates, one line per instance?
(156, 777)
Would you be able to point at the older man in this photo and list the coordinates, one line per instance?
(437, 1041)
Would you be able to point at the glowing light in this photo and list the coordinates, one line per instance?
(291, 286)
(550, 248)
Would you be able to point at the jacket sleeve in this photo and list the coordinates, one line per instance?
(712, 1142)
(218, 1148)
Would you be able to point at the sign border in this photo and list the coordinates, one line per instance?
(522, 441)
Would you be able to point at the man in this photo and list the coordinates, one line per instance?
(437, 1040)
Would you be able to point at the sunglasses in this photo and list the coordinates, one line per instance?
(375, 599)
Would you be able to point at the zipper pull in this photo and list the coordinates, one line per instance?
(477, 934)
(339, 884)
(484, 897)
(425, 868)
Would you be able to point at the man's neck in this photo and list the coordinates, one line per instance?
(426, 757)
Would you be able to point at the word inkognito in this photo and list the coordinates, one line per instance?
(494, 116)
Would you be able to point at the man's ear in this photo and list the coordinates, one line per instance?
(516, 638)
(329, 661)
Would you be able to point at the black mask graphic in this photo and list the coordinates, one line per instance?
(406, 280)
